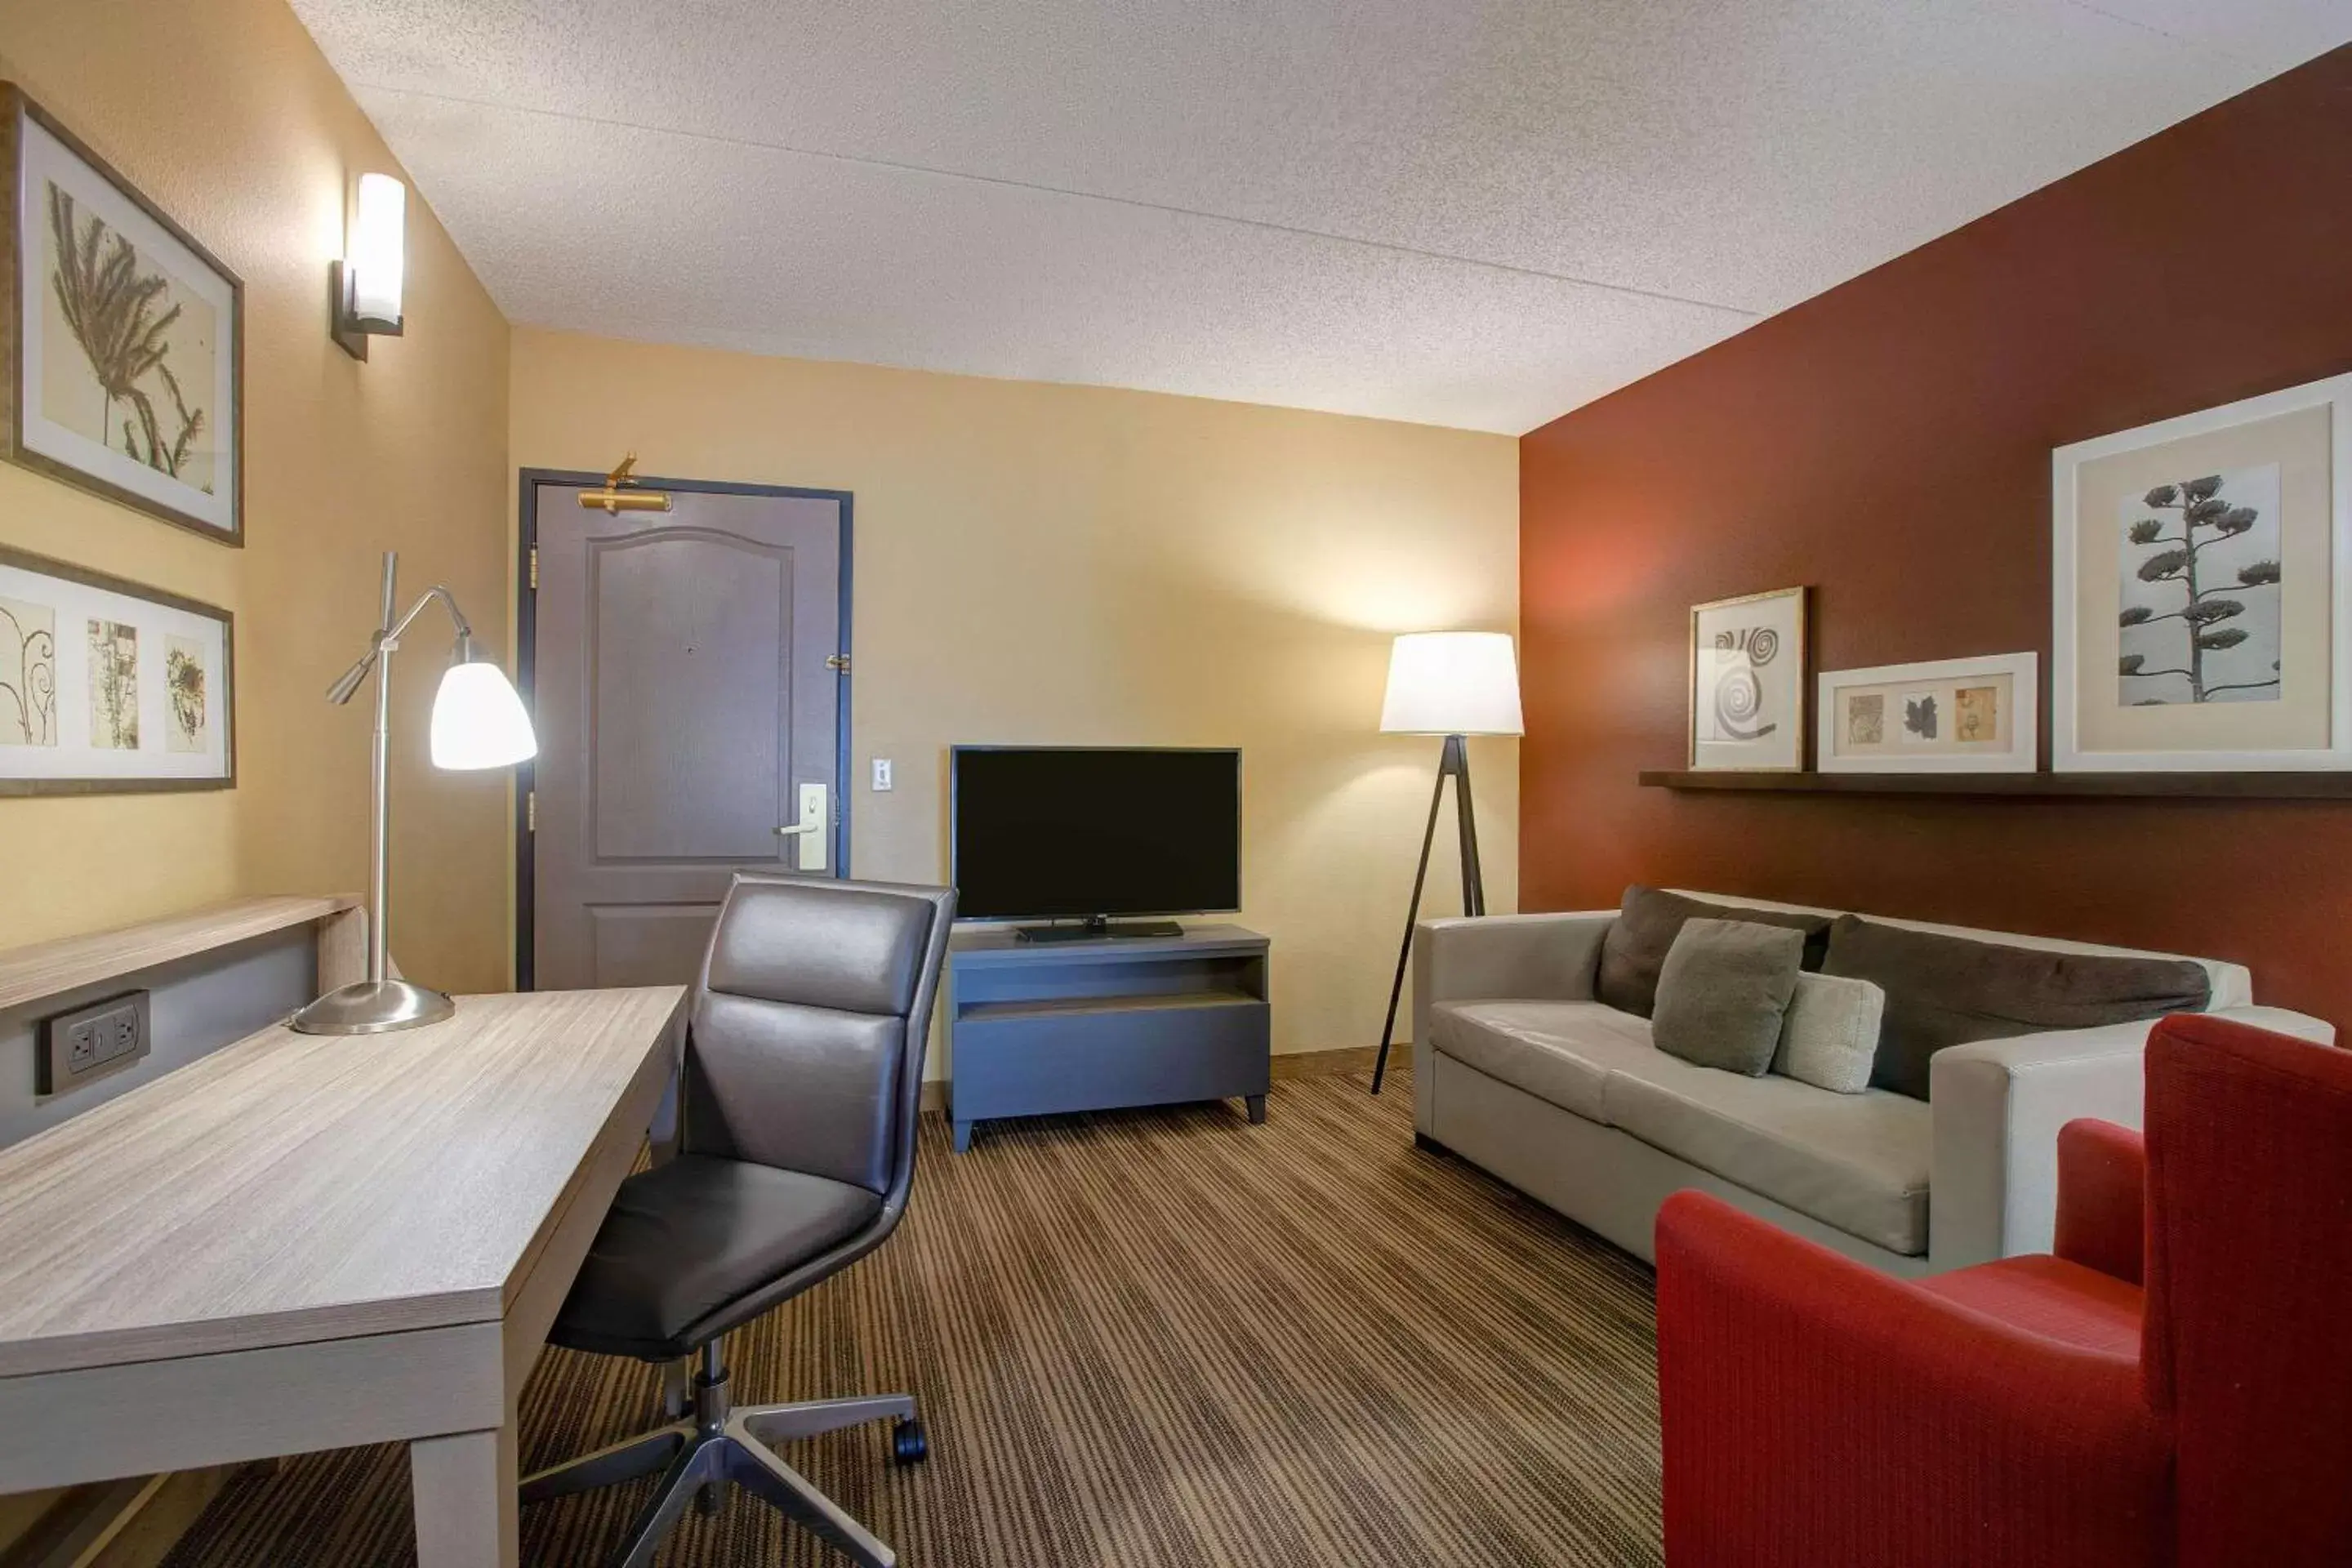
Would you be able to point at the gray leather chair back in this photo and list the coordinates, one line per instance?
(807, 1034)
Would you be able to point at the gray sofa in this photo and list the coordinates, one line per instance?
(1517, 1070)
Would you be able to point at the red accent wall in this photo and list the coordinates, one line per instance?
(1888, 443)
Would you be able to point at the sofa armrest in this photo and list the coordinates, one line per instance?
(1518, 958)
(1816, 1410)
(2103, 1198)
(1998, 1105)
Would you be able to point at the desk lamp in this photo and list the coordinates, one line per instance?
(477, 723)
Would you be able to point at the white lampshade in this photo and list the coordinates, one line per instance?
(478, 722)
(1453, 683)
(377, 252)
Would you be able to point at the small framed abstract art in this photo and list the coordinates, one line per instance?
(109, 688)
(1948, 716)
(120, 337)
(1748, 682)
(2202, 590)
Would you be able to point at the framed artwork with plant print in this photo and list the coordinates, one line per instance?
(1943, 716)
(2202, 611)
(124, 336)
(109, 688)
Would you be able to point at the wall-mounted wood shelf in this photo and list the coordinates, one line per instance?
(2173, 786)
(51, 968)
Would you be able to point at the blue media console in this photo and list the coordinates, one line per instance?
(1039, 1027)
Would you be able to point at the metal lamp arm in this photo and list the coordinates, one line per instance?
(449, 601)
(388, 638)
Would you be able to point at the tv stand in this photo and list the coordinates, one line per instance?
(1100, 928)
(1086, 1022)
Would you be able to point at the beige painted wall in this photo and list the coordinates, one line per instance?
(226, 115)
(1043, 563)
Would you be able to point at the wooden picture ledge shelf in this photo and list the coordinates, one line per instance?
(52, 968)
(2172, 786)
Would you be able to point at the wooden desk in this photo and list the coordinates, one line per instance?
(306, 1242)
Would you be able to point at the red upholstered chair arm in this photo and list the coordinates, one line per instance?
(1817, 1411)
(2103, 1198)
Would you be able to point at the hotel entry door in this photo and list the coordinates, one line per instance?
(687, 673)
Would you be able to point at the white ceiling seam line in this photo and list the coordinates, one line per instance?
(1037, 188)
(2167, 34)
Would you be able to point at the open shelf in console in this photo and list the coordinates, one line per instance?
(1048, 1006)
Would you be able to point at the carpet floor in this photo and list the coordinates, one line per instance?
(1141, 1339)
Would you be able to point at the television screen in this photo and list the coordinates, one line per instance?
(1046, 833)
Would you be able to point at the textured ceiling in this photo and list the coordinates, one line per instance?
(1478, 213)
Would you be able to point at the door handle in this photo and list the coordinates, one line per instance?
(810, 829)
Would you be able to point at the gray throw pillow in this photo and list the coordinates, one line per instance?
(1830, 1037)
(1723, 993)
(1949, 990)
(1634, 948)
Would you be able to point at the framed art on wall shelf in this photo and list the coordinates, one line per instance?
(1946, 716)
(1748, 682)
(2202, 590)
(123, 337)
(109, 688)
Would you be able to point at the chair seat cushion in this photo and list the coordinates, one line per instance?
(686, 1239)
(1561, 1052)
(2051, 1298)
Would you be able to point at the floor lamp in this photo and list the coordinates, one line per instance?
(1454, 684)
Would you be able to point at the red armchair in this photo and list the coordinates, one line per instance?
(2045, 1410)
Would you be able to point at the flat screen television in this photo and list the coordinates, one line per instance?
(1087, 833)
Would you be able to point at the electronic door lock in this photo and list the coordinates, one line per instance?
(810, 829)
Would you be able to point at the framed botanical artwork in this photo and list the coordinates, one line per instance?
(123, 337)
(1748, 682)
(2203, 579)
(1947, 716)
(109, 688)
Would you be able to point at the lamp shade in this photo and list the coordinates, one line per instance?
(377, 252)
(478, 722)
(1453, 683)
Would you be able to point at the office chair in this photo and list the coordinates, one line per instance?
(803, 1076)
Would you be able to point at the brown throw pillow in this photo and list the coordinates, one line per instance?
(1723, 993)
(1948, 990)
(1647, 922)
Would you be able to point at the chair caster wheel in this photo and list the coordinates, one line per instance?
(908, 1443)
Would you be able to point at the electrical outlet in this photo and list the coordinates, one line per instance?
(92, 1042)
(881, 772)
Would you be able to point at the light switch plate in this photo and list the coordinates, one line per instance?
(92, 1042)
(881, 772)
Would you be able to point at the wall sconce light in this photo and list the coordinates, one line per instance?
(367, 281)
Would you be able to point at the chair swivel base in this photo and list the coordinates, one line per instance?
(718, 1444)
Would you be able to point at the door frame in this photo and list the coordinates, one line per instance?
(526, 660)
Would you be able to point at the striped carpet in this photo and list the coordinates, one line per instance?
(1140, 1339)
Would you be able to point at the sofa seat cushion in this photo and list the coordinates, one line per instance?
(1561, 1052)
(1858, 1161)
